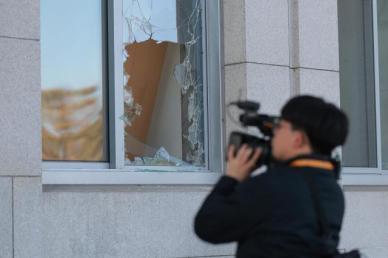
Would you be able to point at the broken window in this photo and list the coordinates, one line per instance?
(139, 63)
(73, 106)
(164, 82)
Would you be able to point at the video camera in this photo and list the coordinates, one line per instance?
(265, 124)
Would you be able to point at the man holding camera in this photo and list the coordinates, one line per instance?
(294, 209)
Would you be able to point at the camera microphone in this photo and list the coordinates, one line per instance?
(247, 105)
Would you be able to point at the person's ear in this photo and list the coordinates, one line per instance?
(305, 140)
(299, 139)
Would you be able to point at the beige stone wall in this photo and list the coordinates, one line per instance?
(273, 49)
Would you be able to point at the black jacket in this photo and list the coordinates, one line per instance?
(272, 215)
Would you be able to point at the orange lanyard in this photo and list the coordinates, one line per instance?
(312, 163)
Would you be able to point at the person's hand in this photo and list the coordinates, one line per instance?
(240, 166)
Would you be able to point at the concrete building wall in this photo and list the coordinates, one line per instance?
(273, 49)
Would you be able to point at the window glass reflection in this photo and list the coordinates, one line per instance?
(73, 119)
(355, 27)
(383, 63)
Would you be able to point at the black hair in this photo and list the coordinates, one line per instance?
(325, 125)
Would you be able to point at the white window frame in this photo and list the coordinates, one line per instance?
(115, 172)
(354, 176)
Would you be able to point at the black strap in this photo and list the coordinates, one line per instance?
(323, 223)
(321, 217)
(327, 248)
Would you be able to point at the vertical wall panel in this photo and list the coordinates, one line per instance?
(19, 18)
(20, 143)
(5, 217)
(267, 31)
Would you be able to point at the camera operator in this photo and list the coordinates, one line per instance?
(274, 214)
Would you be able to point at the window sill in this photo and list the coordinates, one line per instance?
(364, 180)
(119, 177)
(361, 176)
(350, 177)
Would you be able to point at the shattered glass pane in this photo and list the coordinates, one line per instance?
(163, 90)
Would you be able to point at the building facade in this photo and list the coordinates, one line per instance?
(270, 50)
